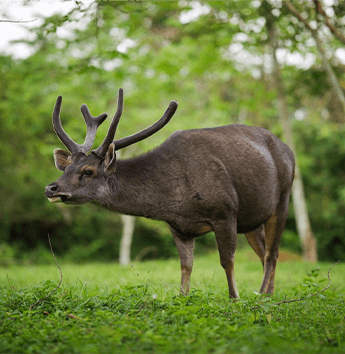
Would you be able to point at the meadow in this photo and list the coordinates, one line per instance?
(108, 308)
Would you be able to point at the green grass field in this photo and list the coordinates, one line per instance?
(107, 308)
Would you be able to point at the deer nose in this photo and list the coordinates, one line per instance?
(51, 189)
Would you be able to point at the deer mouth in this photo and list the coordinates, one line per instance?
(62, 197)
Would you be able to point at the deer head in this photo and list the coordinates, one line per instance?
(87, 173)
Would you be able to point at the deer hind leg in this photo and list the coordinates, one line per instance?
(226, 236)
(274, 227)
(256, 239)
(185, 249)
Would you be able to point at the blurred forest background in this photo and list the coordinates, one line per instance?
(264, 63)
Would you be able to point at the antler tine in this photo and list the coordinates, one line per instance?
(62, 135)
(102, 149)
(129, 140)
(92, 124)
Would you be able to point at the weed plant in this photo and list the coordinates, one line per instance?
(106, 308)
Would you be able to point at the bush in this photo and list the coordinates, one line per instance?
(7, 255)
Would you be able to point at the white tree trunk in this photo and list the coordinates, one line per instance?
(242, 115)
(128, 223)
(307, 238)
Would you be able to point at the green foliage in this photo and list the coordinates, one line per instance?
(194, 62)
(76, 240)
(146, 314)
(7, 255)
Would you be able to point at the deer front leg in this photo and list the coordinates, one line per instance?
(226, 237)
(185, 249)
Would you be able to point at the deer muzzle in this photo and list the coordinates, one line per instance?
(54, 195)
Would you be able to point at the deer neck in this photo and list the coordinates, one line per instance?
(133, 189)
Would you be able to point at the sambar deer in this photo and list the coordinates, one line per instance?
(230, 179)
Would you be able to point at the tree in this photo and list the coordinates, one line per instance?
(307, 238)
(315, 34)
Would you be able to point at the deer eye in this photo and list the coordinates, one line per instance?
(88, 172)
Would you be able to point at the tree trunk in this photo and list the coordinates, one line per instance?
(128, 223)
(242, 115)
(307, 239)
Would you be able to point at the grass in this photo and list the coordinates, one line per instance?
(106, 308)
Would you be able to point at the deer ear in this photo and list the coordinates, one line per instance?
(110, 160)
(62, 159)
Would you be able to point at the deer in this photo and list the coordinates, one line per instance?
(229, 179)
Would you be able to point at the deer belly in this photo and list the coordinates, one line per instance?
(191, 228)
(203, 228)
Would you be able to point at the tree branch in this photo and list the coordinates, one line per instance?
(295, 12)
(333, 29)
(18, 21)
(331, 75)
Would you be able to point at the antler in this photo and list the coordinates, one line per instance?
(101, 151)
(134, 138)
(92, 123)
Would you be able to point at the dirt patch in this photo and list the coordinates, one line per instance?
(288, 256)
(284, 256)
